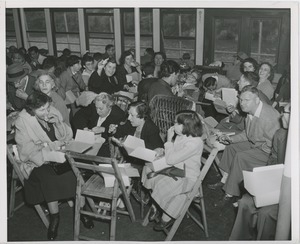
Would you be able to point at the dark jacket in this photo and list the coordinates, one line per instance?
(143, 88)
(160, 87)
(121, 74)
(103, 83)
(88, 117)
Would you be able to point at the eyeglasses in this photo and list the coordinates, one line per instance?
(286, 112)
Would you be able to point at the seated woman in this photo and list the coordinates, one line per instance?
(104, 79)
(39, 130)
(18, 57)
(45, 83)
(249, 65)
(266, 75)
(127, 66)
(97, 117)
(170, 194)
(141, 126)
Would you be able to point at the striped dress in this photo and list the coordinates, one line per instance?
(168, 193)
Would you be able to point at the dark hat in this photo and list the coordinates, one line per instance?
(15, 72)
(241, 55)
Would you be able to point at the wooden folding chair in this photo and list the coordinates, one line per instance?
(18, 176)
(94, 188)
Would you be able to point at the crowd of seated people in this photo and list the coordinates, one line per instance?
(79, 91)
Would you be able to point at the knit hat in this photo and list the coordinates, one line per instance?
(15, 72)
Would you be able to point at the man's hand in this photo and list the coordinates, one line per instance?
(98, 130)
(225, 139)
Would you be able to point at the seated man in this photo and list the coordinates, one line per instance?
(97, 117)
(260, 223)
(146, 82)
(252, 147)
(19, 85)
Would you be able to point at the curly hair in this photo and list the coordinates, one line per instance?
(271, 77)
(36, 100)
(142, 109)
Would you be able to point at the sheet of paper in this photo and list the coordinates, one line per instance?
(229, 96)
(143, 153)
(220, 106)
(209, 96)
(135, 76)
(85, 136)
(78, 146)
(211, 121)
(132, 143)
(264, 184)
(70, 97)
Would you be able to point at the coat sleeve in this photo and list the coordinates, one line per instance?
(28, 150)
(190, 148)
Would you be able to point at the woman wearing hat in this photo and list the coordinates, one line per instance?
(19, 85)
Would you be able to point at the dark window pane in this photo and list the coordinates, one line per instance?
(128, 23)
(101, 24)
(226, 39)
(175, 48)
(188, 25)
(146, 24)
(37, 39)
(35, 20)
(66, 21)
(99, 10)
(265, 39)
(70, 41)
(170, 24)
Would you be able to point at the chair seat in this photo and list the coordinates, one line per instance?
(95, 187)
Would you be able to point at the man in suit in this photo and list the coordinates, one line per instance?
(251, 148)
(97, 117)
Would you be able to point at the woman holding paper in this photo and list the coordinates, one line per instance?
(128, 66)
(40, 130)
(185, 149)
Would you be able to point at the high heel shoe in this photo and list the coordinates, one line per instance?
(53, 226)
(87, 222)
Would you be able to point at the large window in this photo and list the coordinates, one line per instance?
(99, 29)
(66, 30)
(11, 39)
(265, 39)
(263, 34)
(226, 38)
(146, 27)
(178, 32)
(36, 28)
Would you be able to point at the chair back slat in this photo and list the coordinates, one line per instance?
(16, 165)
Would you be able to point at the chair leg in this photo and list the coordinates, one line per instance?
(77, 211)
(42, 215)
(203, 212)
(146, 219)
(113, 222)
(12, 195)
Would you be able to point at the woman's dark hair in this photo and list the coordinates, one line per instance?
(142, 109)
(209, 81)
(71, 60)
(49, 62)
(66, 52)
(150, 51)
(85, 59)
(97, 56)
(271, 77)
(251, 77)
(36, 100)
(192, 125)
(169, 67)
(164, 56)
(249, 60)
(110, 60)
(124, 55)
(20, 53)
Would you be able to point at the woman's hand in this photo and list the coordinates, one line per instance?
(119, 142)
(112, 128)
(101, 65)
(171, 133)
(53, 118)
(98, 129)
(159, 152)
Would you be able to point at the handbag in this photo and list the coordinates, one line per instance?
(172, 172)
(60, 168)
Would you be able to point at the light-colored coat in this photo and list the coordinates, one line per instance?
(30, 138)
